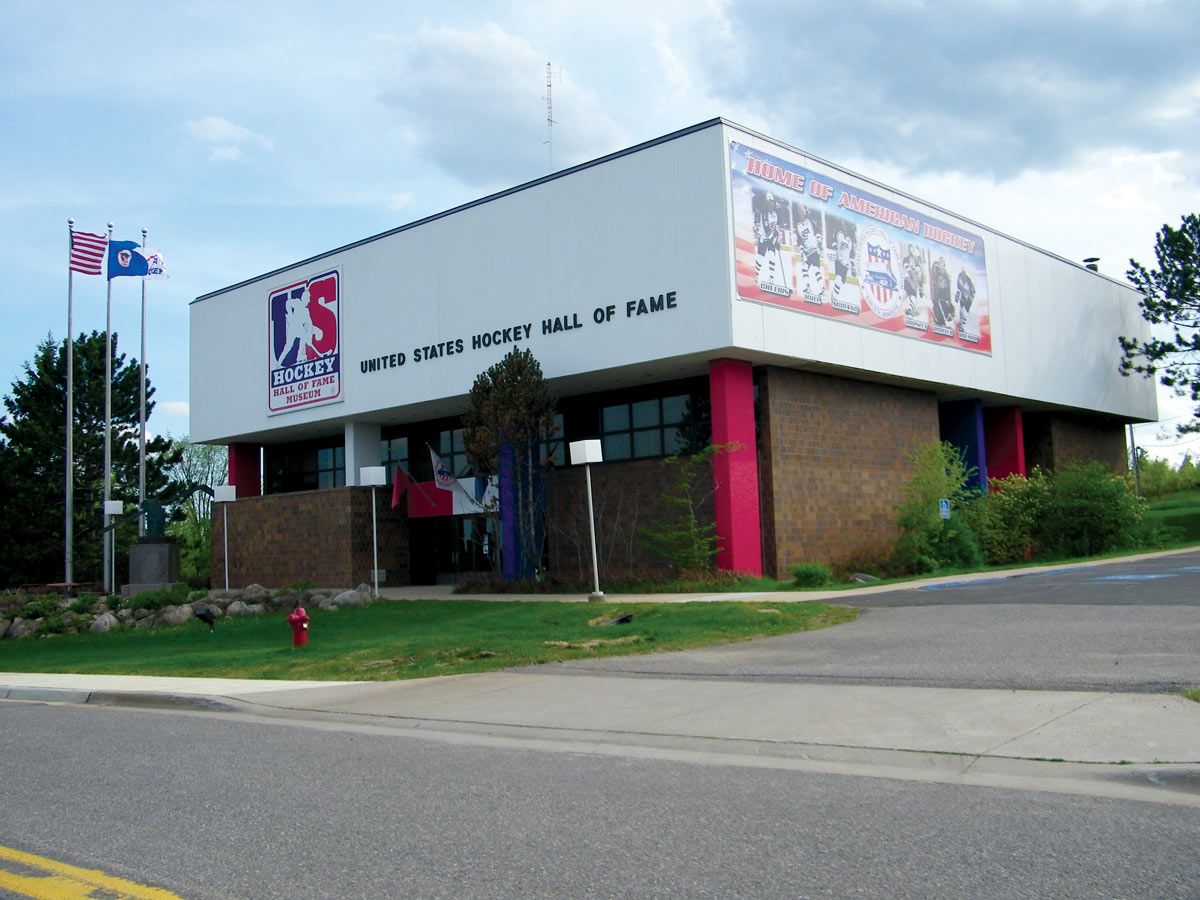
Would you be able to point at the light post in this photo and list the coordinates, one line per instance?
(112, 508)
(586, 453)
(225, 494)
(373, 477)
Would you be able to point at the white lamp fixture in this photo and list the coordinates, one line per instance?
(225, 494)
(373, 477)
(586, 453)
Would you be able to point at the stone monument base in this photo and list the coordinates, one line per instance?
(153, 565)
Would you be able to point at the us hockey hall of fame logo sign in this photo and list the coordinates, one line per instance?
(811, 243)
(304, 363)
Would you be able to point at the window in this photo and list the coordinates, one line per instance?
(303, 467)
(331, 467)
(453, 453)
(394, 453)
(644, 428)
(554, 451)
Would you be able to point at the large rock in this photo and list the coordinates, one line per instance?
(255, 609)
(139, 614)
(350, 598)
(147, 622)
(285, 601)
(237, 608)
(125, 616)
(327, 605)
(22, 628)
(364, 589)
(106, 621)
(172, 615)
(255, 593)
(100, 606)
(4, 623)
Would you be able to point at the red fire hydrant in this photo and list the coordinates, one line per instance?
(298, 619)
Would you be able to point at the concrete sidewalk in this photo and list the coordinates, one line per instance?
(1022, 725)
(843, 596)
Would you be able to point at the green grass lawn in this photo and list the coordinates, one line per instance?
(1179, 511)
(412, 639)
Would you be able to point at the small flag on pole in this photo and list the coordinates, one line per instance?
(399, 485)
(128, 258)
(87, 252)
(442, 476)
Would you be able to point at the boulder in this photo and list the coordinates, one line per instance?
(255, 609)
(124, 616)
(285, 601)
(64, 602)
(237, 608)
(147, 622)
(4, 623)
(139, 614)
(364, 589)
(106, 621)
(100, 606)
(172, 615)
(255, 593)
(327, 605)
(350, 598)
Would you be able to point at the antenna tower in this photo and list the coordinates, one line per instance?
(549, 98)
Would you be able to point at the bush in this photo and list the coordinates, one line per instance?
(40, 609)
(811, 574)
(1006, 519)
(158, 599)
(1089, 510)
(928, 542)
(684, 538)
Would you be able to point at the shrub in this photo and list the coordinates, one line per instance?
(1006, 519)
(927, 541)
(40, 609)
(811, 574)
(684, 539)
(1089, 510)
(158, 599)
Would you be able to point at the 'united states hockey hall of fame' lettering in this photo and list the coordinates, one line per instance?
(304, 360)
(806, 241)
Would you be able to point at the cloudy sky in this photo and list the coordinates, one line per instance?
(246, 136)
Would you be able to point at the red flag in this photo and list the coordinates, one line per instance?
(400, 483)
(87, 252)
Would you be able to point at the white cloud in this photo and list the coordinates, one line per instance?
(175, 407)
(225, 138)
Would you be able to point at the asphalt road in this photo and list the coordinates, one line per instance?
(220, 807)
(1127, 627)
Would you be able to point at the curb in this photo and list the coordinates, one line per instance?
(145, 700)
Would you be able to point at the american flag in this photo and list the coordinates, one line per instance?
(87, 252)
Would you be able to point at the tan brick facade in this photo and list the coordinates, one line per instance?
(626, 495)
(323, 537)
(833, 460)
(1054, 439)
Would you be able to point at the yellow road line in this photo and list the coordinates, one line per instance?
(54, 880)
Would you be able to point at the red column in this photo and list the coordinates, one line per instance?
(1004, 437)
(731, 388)
(245, 471)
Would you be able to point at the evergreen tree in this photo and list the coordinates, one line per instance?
(1171, 301)
(33, 461)
(512, 405)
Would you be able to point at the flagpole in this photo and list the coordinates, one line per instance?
(69, 538)
(109, 536)
(142, 417)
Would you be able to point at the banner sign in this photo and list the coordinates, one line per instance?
(810, 243)
(304, 359)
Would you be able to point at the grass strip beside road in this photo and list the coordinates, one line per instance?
(413, 639)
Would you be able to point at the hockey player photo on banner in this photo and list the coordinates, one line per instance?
(841, 242)
(810, 272)
(810, 242)
(772, 273)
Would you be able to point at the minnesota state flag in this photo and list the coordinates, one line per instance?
(129, 258)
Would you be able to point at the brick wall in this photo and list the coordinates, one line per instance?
(323, 537)
(626, 495)
(1053, 439)
(833, 460)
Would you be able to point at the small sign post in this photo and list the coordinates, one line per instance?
(373, 477)
(588, 452)
(944, 508)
